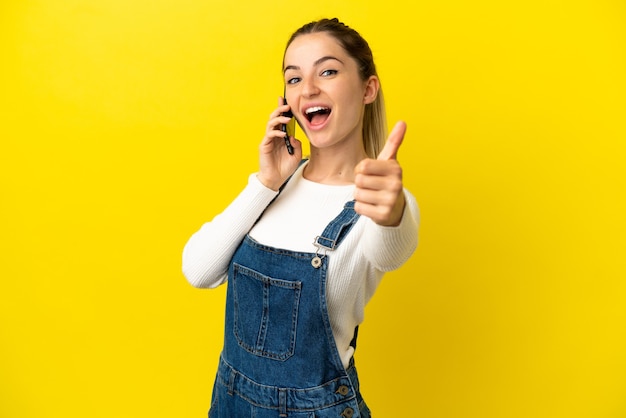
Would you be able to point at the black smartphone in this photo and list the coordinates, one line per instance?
(289, 128)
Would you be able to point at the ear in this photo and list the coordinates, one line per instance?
(372, 85)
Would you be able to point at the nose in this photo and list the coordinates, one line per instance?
(309, 87)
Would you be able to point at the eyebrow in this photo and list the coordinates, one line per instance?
(315, 64)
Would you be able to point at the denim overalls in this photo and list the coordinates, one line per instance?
(279, 357)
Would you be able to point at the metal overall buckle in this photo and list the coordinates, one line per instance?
(321, 251)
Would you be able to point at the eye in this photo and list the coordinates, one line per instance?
(327, 73)
(293, 80)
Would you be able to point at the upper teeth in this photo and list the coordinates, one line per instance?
(314, 109)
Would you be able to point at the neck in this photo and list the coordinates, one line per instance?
(331, 167)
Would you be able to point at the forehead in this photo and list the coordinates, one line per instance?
(305, 50)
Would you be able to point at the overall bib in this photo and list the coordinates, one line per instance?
(280, 358)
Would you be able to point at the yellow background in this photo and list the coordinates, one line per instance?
(125, 125)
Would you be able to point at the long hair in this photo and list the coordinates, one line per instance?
(374, 120)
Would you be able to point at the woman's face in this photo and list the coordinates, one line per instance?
(325, 92)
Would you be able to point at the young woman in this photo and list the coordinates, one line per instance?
(305, 244)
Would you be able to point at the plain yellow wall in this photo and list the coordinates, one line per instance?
(125, 125)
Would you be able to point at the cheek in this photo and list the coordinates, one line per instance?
(291, 97)
(354, 107)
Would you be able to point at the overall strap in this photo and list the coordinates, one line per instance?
(332, 236)
(337, 229)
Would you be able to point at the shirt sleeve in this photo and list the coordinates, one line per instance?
(207, 254)
(388, 247)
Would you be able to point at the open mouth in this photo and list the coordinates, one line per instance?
(317, 115)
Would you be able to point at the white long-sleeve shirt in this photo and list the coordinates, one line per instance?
(298, 215)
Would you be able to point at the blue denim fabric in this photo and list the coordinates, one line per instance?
(279, 357)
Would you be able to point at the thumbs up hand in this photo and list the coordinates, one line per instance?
(379, 191)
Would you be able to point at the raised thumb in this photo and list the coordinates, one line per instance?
(394, 140)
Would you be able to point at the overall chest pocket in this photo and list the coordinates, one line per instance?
(266, 313)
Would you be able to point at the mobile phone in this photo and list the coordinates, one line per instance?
(289, 128)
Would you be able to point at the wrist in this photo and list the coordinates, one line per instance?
(268, 182)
